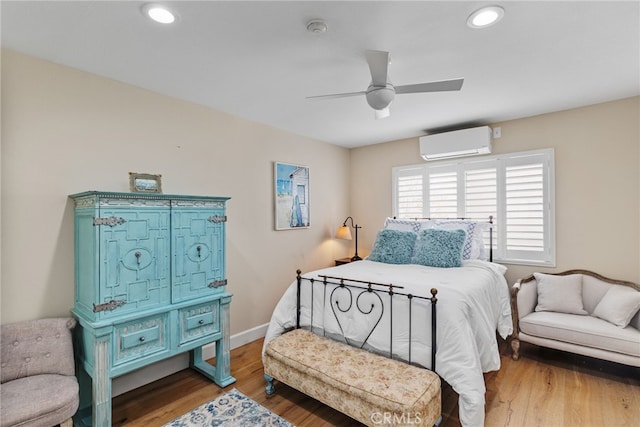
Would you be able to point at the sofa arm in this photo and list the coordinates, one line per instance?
(525, 294)
(34, 347)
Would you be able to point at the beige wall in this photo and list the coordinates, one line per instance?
(66, 131)
(597, 159)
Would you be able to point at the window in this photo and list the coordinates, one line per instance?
(517, 189)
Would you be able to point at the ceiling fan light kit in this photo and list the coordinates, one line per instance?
(380, 98)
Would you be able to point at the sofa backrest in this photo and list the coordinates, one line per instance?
(35, 347)
(594, 288)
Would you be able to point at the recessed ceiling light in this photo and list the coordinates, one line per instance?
(485, 17)
(159, 13)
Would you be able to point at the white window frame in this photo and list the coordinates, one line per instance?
(545, 257)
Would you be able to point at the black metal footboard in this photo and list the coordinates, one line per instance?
(352, 297)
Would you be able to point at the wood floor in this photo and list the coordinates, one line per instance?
(544, 388)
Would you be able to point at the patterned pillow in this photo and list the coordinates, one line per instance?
(414, 225)
(439, 248)
(393, 247)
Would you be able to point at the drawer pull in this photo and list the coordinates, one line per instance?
(142, 338)
(201, 322)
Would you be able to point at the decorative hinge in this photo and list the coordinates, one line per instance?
(217, 218)
(111, 305)
(111, 221)
(218, 283)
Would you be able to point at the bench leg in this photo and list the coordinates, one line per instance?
(438, 421)
(270, 388)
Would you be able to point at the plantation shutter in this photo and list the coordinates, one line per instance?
(527, 216)
(409, 193)
(481, 196)
(443, 193)
(516, 189)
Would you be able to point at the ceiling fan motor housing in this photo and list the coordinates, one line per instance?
(379, 97)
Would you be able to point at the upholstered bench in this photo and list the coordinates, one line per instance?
(370, 388)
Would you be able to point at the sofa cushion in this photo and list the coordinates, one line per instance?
(562, 294)
(593, 289)
(51, 400)
(582, 330)
(618, 305)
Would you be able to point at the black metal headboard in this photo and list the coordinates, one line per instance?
(355, 292)
(470, 219)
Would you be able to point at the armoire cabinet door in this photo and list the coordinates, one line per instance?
(133, 261)
(198, 253)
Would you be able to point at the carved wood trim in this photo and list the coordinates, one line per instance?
(586, 273)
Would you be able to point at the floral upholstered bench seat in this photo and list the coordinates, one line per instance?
(370, 388)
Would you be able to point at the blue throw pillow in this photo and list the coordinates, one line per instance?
(393, 247)
(439, 248)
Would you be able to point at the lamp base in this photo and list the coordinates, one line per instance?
(355, 258)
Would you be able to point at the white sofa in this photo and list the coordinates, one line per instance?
(578, 311)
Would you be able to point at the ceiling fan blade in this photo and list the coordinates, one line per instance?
(379, 66)
(440, 86)
(337, 95)
(381, 114)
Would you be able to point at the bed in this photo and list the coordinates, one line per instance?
(473, 303)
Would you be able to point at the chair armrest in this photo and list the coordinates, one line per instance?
(527, 297)
(524, 298)
(34, 347)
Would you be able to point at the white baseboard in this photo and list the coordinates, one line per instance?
(170, 366)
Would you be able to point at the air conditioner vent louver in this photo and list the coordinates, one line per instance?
(459, 143)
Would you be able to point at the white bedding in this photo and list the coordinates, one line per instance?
(473, 302)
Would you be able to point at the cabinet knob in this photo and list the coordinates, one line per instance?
(142, 339)
(201, 321)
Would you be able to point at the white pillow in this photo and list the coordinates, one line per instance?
(618, 305)
(562, 294)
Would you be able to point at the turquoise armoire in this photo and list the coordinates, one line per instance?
(150, 283)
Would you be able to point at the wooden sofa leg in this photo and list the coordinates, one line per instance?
(67, 423)
(515, 346)
(270, 388)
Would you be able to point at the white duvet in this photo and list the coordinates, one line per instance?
(473, 302)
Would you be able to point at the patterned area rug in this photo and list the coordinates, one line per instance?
(232, 409)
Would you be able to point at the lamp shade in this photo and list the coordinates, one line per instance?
(344, 233)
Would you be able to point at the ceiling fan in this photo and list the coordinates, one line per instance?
(381, 92)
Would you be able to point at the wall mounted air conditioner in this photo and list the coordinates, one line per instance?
(459, 143)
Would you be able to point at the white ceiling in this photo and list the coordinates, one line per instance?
(256, 60)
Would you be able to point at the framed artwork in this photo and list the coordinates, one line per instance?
(144, 183)
(291, 185)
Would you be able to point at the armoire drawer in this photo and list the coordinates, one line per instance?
(139, 338)
(199, 321)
